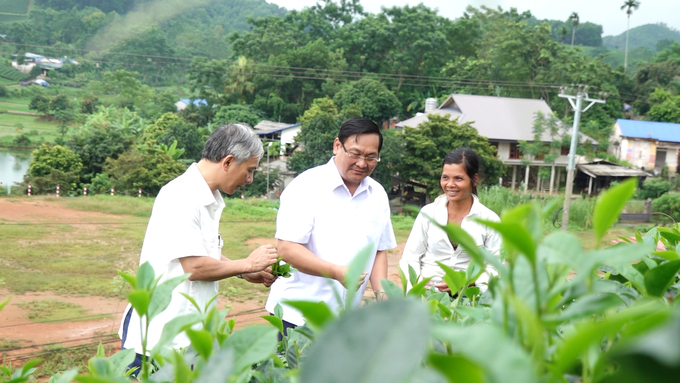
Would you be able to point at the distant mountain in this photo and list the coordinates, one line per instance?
(643, 36)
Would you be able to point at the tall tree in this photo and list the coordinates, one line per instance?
(574, 23)
(240, 79)
(629, 6)
(426, 146)
(563, 33)
(371, 97)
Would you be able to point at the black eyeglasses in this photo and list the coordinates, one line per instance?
(356, 157)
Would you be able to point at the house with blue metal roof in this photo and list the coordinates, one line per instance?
(648, 145)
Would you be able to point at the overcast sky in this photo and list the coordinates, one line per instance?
(604, 12)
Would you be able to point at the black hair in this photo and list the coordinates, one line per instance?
(357, 126)
(470, 161)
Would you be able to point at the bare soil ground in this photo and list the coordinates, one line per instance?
(28, 337)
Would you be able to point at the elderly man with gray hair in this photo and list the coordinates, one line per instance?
(183, 233)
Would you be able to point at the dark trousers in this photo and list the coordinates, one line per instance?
(137, 363)
(286, 326)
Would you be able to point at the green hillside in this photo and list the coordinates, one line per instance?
(15, 6)
(643, 36)
(9, 73)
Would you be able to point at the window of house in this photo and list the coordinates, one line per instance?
(514, 151)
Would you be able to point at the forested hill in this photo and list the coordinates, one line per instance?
(191, 27)
(647, 35)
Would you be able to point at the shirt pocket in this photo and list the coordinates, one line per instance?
(212, 246)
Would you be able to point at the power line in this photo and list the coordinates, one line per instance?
(278, 71)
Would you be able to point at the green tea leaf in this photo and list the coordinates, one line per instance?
(454, 279)
(121, 360)
(382, 342)
(588, 333)
(201, 341)
(391, 289)
(609, 206)
(315, 313)
(162, 294)
(660, 278)
(145, 276)
(131, 279)
(419, 288)
(488, 347)
(274, 321)
(65, 377)
(456, 368)
(516, 237)
(182, 372)
(251, 345)
(139, 299)
(472, 291)
(5, 302)
(587, 306)
(356, 268)
(667, 255)
(412, 276)
(173, 328)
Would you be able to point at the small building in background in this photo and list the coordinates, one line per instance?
(183, 103)
(647, 145)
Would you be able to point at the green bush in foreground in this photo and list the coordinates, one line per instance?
(554, 313)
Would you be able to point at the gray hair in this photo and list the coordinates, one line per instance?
(238, 140)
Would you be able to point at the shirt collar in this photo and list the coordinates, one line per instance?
(441, 214)
(205, 196)
(335, 179)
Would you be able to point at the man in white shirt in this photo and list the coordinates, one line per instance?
(183, 233)
(326, 216)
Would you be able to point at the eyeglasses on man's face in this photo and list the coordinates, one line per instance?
(356, 157)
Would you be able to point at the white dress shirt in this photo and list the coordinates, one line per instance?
(184, 222)
(428, 243)
(318, 212)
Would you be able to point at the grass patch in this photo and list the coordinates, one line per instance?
(118, 205)
(9, 344)
(58, 358)
(15, 104)
(46, 130)
(402, 224)
(52, 310)
(70, 259)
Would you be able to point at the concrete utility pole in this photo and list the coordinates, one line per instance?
(581, 95)
(269, 145)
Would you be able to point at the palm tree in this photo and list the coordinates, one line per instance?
(563, 33)
(240, 76)
(574, 22)
(629, 5)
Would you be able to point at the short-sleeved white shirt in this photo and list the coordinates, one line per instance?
(184, 222)
(318, 211)
(428, 244)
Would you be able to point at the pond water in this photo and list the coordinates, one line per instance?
(13, 165)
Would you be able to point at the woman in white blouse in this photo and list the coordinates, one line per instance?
(459, 205)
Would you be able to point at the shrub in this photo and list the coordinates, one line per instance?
(668, 204)
(653, 188)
